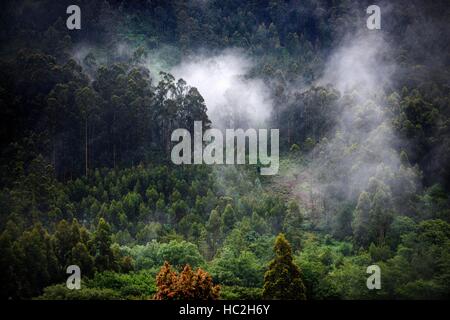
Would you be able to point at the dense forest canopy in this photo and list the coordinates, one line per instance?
(85, 134)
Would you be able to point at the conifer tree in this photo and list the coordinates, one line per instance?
(283, 280)
(104, 256)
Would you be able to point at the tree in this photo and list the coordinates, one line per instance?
(82, 258)
(373, 214)
(400, 226)
(361, 219)
(239, 269)
(104, 256)
(180, 253)
(37, 261)
(213, 226)
(228, 218)
(343, 221)
(131, 204)
(8, 261)
(188, 285)
(420, 268)
(292, 223)
(66, 238)
(283, 280)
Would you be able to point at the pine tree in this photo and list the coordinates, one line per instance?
(82, 258)
(66, 237)
(283, 280)
(104, 256)
(228, 218)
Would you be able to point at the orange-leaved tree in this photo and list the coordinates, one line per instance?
(188, 285)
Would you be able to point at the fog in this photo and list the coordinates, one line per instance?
(361, 64)
(362, 144)
(233, 98)
(360, 68)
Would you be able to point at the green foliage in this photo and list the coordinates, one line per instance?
(104, 256)
(240, 293)
(317, 261)
(243, 269)
(60, 292)
(373, 214)
(85, 138)
(283, 279)
(154, 254)
(134, 285)
(292, 224)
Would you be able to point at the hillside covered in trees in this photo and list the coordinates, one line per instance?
(86, 178)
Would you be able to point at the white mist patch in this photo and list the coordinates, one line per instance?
(360, 65)
(232, 99)
(362, 147)
(80, 52)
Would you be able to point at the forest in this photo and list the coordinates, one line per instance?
(86, 177)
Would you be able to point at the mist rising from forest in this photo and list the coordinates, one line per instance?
(359, 68)
(363, 140)
(232, 98)
(360, 63)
